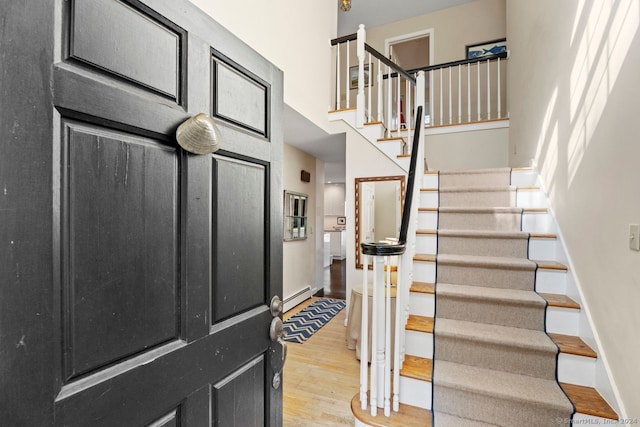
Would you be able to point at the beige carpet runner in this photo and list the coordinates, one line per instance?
(493, 362)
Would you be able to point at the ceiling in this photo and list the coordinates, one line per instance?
(372, 13)
(306, 136)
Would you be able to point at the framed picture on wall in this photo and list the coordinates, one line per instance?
(492, 47)
(353, 77)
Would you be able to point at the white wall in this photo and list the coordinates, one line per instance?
(467, 150)
(574, 79)
(363, 160)
(454, 28)
(294, 37)
(300, 257)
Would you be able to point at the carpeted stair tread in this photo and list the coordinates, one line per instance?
(472, 177)
(571, 344)
(558, 300)
(486, 262)
(508, 296)
(443, 419)
(478, 189)
(423, 287)
(495, 306)
(485, 234)
(419, 323)
(496, 335)
(479, 210)
(418, 368)
(588, 401)
(407, 416)
(510, 387)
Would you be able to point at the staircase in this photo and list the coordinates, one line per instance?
(498, 344)
(492, 337)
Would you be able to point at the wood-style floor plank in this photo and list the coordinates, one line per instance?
(572, 345)
(320, 377)
(416, 367)
(420, 323)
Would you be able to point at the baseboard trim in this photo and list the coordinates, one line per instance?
(296, 298)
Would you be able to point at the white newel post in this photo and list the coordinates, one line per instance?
(360, 101)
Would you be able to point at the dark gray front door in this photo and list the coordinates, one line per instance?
(135, 277)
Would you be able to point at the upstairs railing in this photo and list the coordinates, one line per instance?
(378, 395)
(459, 92)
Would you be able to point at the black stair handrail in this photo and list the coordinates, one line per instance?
(382, 249)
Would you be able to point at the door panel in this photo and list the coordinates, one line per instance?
(150, 270)
(239, 275)
(120, 287)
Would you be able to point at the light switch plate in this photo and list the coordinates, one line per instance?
(634, 237)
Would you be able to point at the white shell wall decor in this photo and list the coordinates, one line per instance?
(199, 135)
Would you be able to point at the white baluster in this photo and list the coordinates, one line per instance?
(488, 90)
(378, 304)
(432, 74)
(468, 92)
(450, 103)
(407, 109)
(479, 108)
(369, 113)
(387, 343)
(364, 333)
(389, 101)
(338, 77)
(440, 96)
(499, 95)
(348, 76)
(398, 109)
(397, 336)
(362, 35)
(459, 93)
(380, 80)
(373, 393)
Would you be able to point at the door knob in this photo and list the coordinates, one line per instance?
(276, 306)
(199, 135)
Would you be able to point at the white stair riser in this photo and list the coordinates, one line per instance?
(404, 162)
(577, 370)
(415, 392)
(348, 116)
(428, 220)
(531, 199)
(428, 199)
(551, 281)
(421, 304)
(537, 222)
(430, 180)
(524, 178)
(424, 271)
(542, 249)
(563, 320)
(391, 148)
(426, 244)
(418, 344)
(373, 132)
(589, 420)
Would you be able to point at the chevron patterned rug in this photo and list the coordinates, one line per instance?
(301, 326)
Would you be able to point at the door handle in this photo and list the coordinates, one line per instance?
(199, 135)
(276, 306)
(276, 333)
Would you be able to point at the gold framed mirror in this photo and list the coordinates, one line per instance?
(378, 209)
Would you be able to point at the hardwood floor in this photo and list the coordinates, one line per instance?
(320, 377)
(335, 278)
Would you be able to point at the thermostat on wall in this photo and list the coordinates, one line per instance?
(342, 220)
